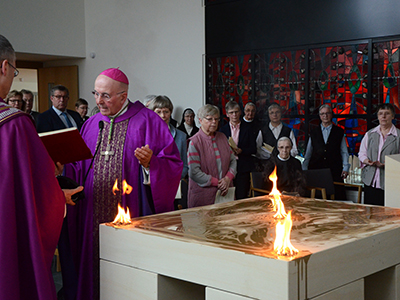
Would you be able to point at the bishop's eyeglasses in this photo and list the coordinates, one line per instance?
(105, 96)
(16, 72)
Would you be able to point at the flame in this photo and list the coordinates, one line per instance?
(277, 202)
(122, 216)
(282, 244)
(274, 178)
(115, 187)
(126, 188)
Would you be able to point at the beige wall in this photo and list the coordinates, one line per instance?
(52, 27)
(159, 44)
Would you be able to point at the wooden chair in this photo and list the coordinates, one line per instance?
(321, 180)
(357, 186)
(257, 185)
(58, 264)
(182, 204)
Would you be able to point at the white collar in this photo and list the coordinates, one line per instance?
(277, 127)
(244, 119)
(280, 158)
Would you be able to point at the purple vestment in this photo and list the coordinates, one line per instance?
(139, 126)
(31, 210)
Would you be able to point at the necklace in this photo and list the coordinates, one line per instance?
(108, 152)
(112, 120)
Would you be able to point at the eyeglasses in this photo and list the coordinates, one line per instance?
(15, 101)
(325, 114)
(211, 119)
(105, 96)
(58, 97)
(16, 72)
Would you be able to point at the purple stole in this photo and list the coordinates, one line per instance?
(7, 112)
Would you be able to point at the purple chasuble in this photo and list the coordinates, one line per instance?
(135, 128)
(31, 210)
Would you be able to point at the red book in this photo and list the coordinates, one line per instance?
(65, 145)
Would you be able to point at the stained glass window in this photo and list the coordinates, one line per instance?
(229, 78)
(280, 78)
(299, 129)
(385, 74)
(338, 76)
(300, 81)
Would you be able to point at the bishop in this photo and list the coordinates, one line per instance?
(136, 145)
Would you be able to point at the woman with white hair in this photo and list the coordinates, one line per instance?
(291, 179)
(212, 165)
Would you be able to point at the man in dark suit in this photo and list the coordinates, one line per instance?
(27, 96)
(58, 116)
(55, 118)
(244, 135)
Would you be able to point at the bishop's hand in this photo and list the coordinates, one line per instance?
(68, 194)
(59, 169)
(144, 154)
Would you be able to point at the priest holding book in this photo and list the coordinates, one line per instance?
(129, 142)
(32, 203)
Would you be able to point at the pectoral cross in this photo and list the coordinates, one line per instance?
(107, 153)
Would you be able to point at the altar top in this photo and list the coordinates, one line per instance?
(248, 225)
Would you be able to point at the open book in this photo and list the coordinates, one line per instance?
(267, 147)
(65, 145)
(228, 197)
(232, 143)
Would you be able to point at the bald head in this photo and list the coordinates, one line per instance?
(7, 57)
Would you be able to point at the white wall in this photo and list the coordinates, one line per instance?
(159, 45)
(50, 27)
(27, 79)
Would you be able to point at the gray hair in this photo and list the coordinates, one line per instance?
(94, 110)
(325, 106)
(161, 102)
(231, 105)
(6, 49)
(284, 138)
(207, 110)
(60, 88)
(250, 104)
(188, 111)
(274, 105)
(148, 99)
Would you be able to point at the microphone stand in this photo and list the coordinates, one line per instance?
(101, 126)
